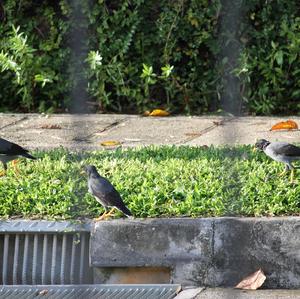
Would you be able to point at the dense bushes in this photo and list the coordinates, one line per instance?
(189, 56)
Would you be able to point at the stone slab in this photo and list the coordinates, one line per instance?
(210, 252)
(140, 131)
(7, 120)
(242, 294)
(87, 131)
(246, 130)
(190, 293)
(150, 242)
(74, 132)
(243, 245)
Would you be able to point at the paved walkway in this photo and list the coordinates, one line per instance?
(88, 131)
(219, 293)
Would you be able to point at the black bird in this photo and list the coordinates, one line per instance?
(280, 151)
(10, 151)
(105, 193)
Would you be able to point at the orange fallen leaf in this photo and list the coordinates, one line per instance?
(159, 112)
(253, 281)
(110, 143)
(285, 125)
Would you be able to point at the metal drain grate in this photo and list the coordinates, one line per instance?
(33, 254)
(91, 292)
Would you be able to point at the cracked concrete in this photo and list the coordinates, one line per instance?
(88, 131)
(213, 252)
(221, 293)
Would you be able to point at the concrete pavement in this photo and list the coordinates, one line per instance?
(88, 131)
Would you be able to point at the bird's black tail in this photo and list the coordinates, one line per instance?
(124, 210)
(27, 155)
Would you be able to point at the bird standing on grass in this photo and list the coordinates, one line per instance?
(105, 193)
(10, 151)
(280, 151)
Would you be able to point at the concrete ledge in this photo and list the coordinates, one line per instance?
(242, 294)
(203, 252)
(153, 242)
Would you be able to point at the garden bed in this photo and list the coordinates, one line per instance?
(153, 181)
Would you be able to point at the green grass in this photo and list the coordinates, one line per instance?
(154, 182)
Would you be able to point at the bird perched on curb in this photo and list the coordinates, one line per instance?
(280, 151)
(105, 193)
(11, 151)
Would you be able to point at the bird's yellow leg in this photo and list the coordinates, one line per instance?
(292, 175)
(282, 173)
(105, 215)
(110, 212)
(101, 217)
(15, 163)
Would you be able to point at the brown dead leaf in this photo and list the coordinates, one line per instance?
(159, 112)
(193, 134)
(110, 143)
(285, 125)
(146, 113)
(218, 123)
(55, 127)
(253, 281)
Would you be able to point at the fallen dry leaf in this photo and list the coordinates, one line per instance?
(218, 123)
(43, 292)
(193, 134)
(57, 127)
(159, 112)
(285, 125)
(110, 143)
(253, 281)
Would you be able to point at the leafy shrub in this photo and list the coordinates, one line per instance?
(240, 56)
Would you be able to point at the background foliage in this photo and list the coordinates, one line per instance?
(188, 56)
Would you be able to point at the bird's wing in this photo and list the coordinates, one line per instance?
(287, 149)
(10, 148)
(105, 191)
(107, 194)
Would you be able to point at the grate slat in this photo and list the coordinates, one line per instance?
(44, 259)
(34, 258)
(5, 260)
(82, 256)
(25, 260)
(53, 260)
(63, 259)
(73, 254)
(16, 259)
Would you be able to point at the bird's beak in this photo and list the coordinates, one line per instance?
(82, 172)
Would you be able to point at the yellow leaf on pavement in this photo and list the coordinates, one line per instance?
(159, 112)
(110, 143)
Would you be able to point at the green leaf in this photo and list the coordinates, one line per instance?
(279, 57)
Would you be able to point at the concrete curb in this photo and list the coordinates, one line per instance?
(243, 294)
(202, 252)
(213, 252)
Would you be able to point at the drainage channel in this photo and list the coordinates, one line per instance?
(51, 260)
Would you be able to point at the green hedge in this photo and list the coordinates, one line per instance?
(188, 56)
